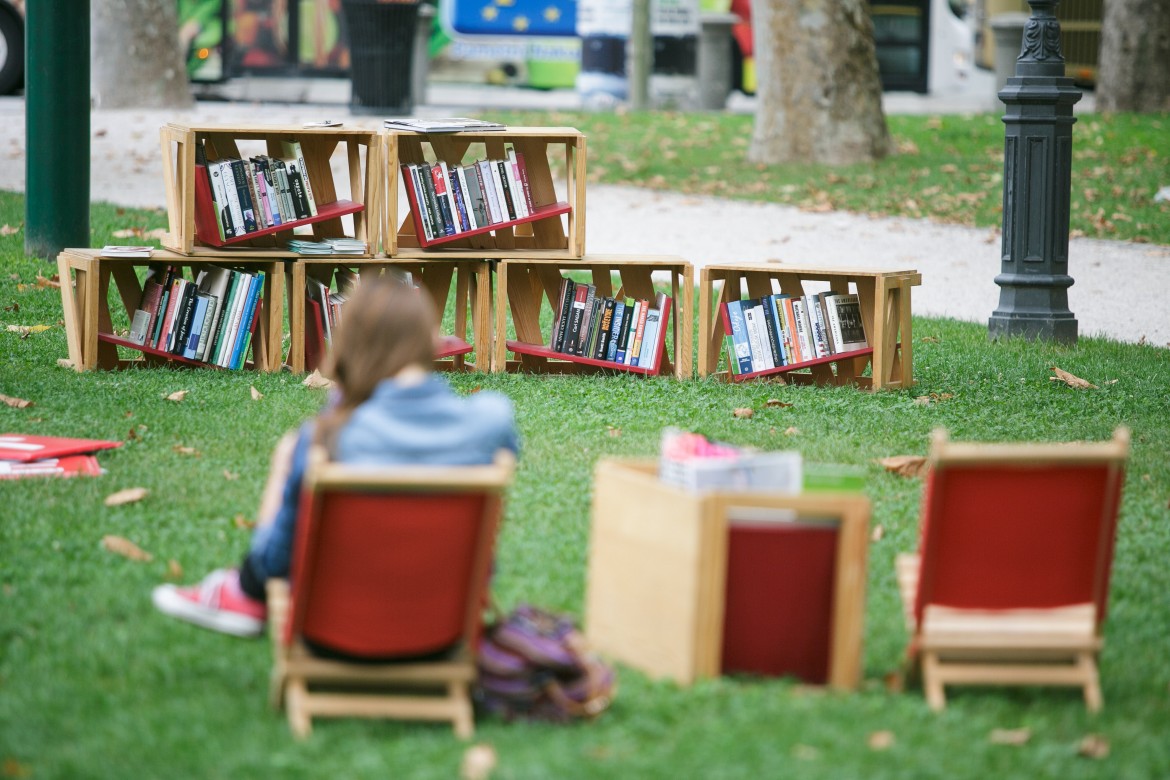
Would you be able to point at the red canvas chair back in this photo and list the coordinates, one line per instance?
(1021, 525)
(393, 562)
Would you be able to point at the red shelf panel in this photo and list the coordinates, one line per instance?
(804, 364)
(452, 346)
(338, 208)
(541, 212)
(121, 342)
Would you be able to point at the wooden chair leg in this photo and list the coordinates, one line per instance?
(276, 688)
(297, 706)
(1093, 698)
(464, 720)
(932, 682)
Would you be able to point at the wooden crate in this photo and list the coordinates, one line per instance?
(525, 287)
(658, 572)
(558, 191)
(85, 286)
(885, 309)
(354, 196)
(472, 302)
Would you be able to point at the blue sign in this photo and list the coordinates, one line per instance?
(515, 17)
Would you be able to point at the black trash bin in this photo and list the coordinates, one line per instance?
(381, 48)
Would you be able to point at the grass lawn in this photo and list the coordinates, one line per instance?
(95, 683)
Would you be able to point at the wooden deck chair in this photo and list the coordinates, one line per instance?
(390, 569)
(1012, 576)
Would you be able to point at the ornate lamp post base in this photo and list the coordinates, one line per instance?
(1037, 164)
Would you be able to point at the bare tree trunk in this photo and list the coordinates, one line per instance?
(137, 60)
(820, 98)
(1133, 72)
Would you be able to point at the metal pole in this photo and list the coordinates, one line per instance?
(56, 127)
(1037, 165)
(641, 56)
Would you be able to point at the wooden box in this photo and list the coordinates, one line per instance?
(668, 574)
(342, 164)
(555, 161)
(884, 296)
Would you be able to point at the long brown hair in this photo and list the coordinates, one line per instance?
(386, 325)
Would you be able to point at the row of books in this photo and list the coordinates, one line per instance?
(783, 330)
(451, 199)
(622, 331)
(325, 305)
(259, 192)
(210, 319)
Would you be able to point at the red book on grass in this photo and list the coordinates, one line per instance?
(68, 466)
(24, 448)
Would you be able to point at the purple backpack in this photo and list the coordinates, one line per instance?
(535, 665)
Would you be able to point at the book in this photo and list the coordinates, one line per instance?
(167, 318)
(456, 191)
(247, 320)
(775, 339)
(156, 324)
(793, 336)
(422, 214)
(254, 194)
(66, 466)
(111, 250)
(728, 340)
(23, 448)
(261, 187)
(823, 315)
(817, 335)
(475, 190)
(184, 316)
(148, 305)
(576, 312)
(207, 325)
(452, 124)
(231, 325)
(650, 338)
(522, 168)
(465, 196)
(514, 184)
(293, 152)
(782, 327)
(296, 188)
(753, 316)
(442, 202)
(246, 345)
(510, 206)
(244, 195)
(639, 329)
(603, 334)
(195, 331)
(288, 211)
(493, 193)
(845, 308)
(589, 347)
(230, 211)
(561, 316)
(619, 312)
(803, 328)
(586, 320)
(624, 334)
(212, 282)
(742, 353)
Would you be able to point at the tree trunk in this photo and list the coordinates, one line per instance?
(820, 98)
(1133, 73)
(137, 60)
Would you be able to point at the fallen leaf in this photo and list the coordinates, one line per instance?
(15, 403)
(1070, 380)
(27, 330)
(743, 413)
(878, 532)
(791, 431)
(14, 308)
(229, 475)
(929, 339)
(127, 233)
(159, 233)
(805, 752)
(776, 403)
(65, 362)
(256, 394)
(243, 523)
(906, 465)
(478, 762)
(179, 448)
(922, 400)
(1015, 737)
(316, 380)
(125, 548)
(13, 768)
(880, 740)
(8, 230)
(894, 682)
(127, 496)
(613, 432)
(177, 396)
(174, 570)
(1093, 746)
(50, 282)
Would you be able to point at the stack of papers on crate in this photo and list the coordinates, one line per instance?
(453, 124)
(49, 456)
(111, 250)
(691, 461)
(330, 246)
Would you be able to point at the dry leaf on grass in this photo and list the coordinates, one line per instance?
(174, 570)
(933, 398)
(256, 394)
(53, 281)
(805, 752)
(316, 380)
(743, 412)
(239, 521)
(27, 330)
(8, 230)
(791, 431)
(1009, 736)
(1072, 381)
(127, 496)
(65, 362)
(230, 475)
(13, 768)
(613, 432)
(906, 465)
(878, 533)
(478, 762)
(776, 403)
(15, 403)
(125, 548)
(1093, 746)
(177, 396)
(179, 448)
(894, 682)
(880, 740)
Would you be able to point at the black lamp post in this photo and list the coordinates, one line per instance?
(1037, 163)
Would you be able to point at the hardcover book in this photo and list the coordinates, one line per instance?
(23, 447)
(292, 150)
(847, 308)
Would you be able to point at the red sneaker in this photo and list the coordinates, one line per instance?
(217, 603)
